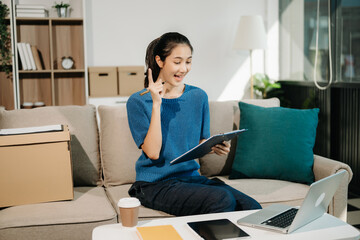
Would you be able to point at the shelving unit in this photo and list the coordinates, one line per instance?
(54, 38)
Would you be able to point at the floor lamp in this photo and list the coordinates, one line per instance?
(250, 35)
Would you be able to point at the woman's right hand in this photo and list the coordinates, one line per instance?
(153, 140)
(156, 88)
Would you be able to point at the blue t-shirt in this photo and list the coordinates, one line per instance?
(184, 122)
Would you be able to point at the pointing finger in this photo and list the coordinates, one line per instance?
(151, 81)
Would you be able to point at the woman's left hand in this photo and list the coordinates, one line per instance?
(221, 149)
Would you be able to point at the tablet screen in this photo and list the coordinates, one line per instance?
(217, 229)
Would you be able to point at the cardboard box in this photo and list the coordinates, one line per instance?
(131, 79)
(103, 81)
(35, 168)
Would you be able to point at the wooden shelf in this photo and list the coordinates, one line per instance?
(28, 19)
(70, 71)
(54, 39)
(36, 88)
(67, 86)
(54, 71)
(35, 71)
(48, 19)
(66, 19)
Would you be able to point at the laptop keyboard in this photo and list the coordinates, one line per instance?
(282, 220)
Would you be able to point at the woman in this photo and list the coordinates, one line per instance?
(168, 121)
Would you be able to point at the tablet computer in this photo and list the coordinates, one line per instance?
(218, 229)
(205, 147)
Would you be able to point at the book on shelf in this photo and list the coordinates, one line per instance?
(22, 56)
(29, 6)
(37, 59)
(29, 52)
(27, 57)
(28, 10)
(161, 232)
(33, 15)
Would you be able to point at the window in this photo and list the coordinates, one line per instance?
(348, 39)
(300, 22)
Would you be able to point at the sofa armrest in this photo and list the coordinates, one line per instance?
(324, 167)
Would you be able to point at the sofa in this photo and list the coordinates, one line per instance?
(103, 159)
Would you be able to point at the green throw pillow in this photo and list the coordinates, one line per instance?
(278, 144)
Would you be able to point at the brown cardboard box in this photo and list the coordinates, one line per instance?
(131, 79)
(35, 168)
(103, 81)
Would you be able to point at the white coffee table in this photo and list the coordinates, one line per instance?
(325, 227)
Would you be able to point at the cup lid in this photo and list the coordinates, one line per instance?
(28, 104)
(129, 202)
(39, 103)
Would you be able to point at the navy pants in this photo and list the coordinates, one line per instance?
(191, 195)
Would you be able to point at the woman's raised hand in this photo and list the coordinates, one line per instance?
(156, 88)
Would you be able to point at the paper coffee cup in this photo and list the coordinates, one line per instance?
(129, 211)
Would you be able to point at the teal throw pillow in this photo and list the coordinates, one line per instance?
(278, 144)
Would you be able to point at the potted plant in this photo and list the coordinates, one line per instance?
(5, 44)
(62, 9)
(263, 85)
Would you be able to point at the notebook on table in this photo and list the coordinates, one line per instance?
(161, 232)
(287, 219)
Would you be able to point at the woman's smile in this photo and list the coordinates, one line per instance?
(179, 78)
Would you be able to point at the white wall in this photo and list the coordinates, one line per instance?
(118, 33)
(292, 42)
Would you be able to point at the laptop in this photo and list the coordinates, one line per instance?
(286, 219)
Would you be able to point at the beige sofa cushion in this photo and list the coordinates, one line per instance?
(81, 121)
(81, 231)
(225, 117)
(119, 152)
(90, 204)
(269, 191)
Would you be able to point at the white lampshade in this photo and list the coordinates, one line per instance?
(251, 33)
